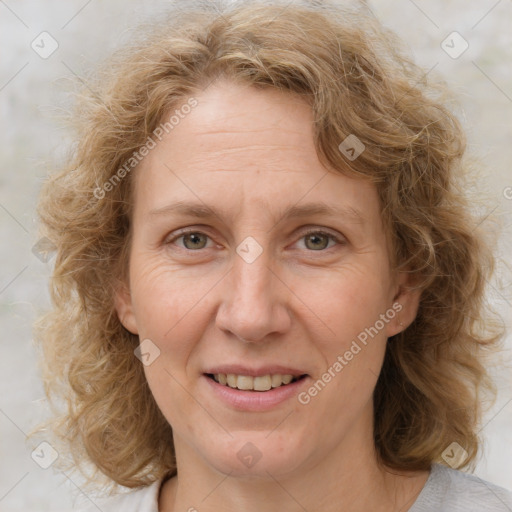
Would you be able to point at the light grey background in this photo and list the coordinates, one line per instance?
(33, 93)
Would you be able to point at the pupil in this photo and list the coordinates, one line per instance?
(316, 237)
(194, 237)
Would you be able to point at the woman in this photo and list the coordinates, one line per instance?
(273, 288)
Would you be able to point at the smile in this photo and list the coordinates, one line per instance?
(249, 383)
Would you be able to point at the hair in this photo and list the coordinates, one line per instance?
(350, 70)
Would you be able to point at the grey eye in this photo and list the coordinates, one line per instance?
(195, 240)
(317, 241)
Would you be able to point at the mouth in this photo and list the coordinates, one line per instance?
(255, 384)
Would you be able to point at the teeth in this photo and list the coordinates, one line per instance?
(248, 383)
(287, 379)
(243, 382)
(263, 383)
(276, 381)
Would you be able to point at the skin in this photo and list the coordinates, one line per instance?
(249, 153)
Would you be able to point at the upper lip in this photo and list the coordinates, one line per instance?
(238, 369)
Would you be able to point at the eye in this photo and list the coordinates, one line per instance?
(192, 240)
(317, 240)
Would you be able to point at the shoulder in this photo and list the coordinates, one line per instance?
(144, 499)
(450, 490)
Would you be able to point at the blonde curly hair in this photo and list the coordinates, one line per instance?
(349, 69)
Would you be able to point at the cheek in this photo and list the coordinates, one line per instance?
(172, 308)
(169, 309)
(345, 302)
(163, 295)
(349, 303)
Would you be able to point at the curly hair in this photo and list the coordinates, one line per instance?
(351, 72)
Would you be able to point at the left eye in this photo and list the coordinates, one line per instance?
(318, 240)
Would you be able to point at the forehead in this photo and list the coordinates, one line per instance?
(242, 145)
(234, 122)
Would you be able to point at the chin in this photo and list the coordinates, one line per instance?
(256, 455)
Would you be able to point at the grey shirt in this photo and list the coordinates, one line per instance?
(449, 490)
(446, 490)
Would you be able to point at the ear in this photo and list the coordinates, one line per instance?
(406, 302)
(124, 308)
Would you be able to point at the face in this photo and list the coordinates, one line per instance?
(248, 278)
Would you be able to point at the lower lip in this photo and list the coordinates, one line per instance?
(255, 400)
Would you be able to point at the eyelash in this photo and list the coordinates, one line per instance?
(185, 232)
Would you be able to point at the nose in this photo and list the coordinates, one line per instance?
(254, 301)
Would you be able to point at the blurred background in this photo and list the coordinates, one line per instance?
(469, 45)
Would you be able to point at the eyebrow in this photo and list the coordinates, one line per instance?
(201, 210)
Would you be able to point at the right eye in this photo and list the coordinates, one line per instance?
(192, 240)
